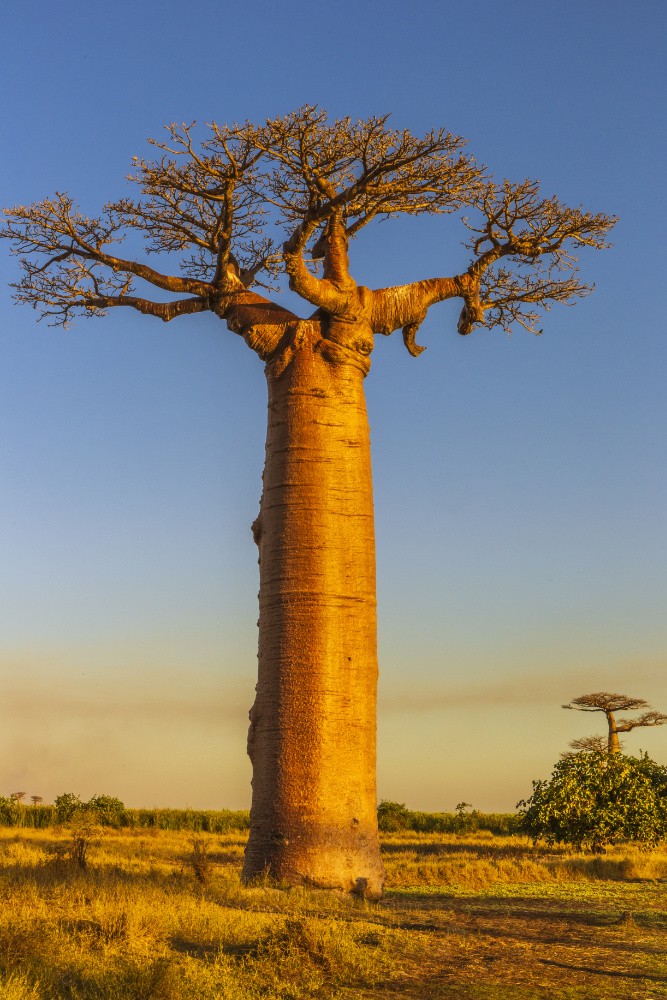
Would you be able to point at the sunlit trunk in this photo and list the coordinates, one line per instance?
(313, 724)
(613, 743)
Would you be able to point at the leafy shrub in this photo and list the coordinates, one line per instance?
(103, 809)
(107, 810)
(596, 798)
(393, 816)
(66, 805)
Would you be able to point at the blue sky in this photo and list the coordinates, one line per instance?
(519, 482)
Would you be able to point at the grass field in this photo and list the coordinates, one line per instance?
(161, 914)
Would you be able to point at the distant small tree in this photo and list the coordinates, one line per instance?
(464, 819)
(17, 796)
(604, 701)
(36, 799)
(596, 798)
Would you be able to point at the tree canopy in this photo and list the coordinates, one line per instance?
(233, 207)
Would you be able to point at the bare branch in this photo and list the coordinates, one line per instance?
(59, 245)
(364, 167)
(538, 239)
(206, 203)
(647, 719)
(405, 306)
(260, 322)
(593, 744)
(334, 291)
(604, 701)
(165, 311)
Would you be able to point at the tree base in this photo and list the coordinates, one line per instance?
(351, 871)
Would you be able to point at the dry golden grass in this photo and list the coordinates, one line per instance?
(156, 915)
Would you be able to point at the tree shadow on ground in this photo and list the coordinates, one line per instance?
(53, 873)
(540, 921)
(213, 857)
(482, 850)
(611, 973)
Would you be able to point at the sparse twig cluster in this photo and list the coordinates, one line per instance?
(525, 251)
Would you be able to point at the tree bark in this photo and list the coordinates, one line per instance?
(613, 742)
(313, 724)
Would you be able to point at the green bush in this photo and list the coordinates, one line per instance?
(393, 816)
(66, 805)
(596, 798)
(107, 810)
(104, 809)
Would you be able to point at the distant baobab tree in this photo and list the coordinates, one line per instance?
(605, 701)
(36, 799)
(207, 205)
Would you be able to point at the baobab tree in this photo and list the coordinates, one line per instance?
(208, 205)
(605, 701)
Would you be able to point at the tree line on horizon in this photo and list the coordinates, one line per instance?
(108, 811)
(596, 795)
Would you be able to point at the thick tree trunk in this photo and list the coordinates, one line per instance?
(613, 742)
(313, 724)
